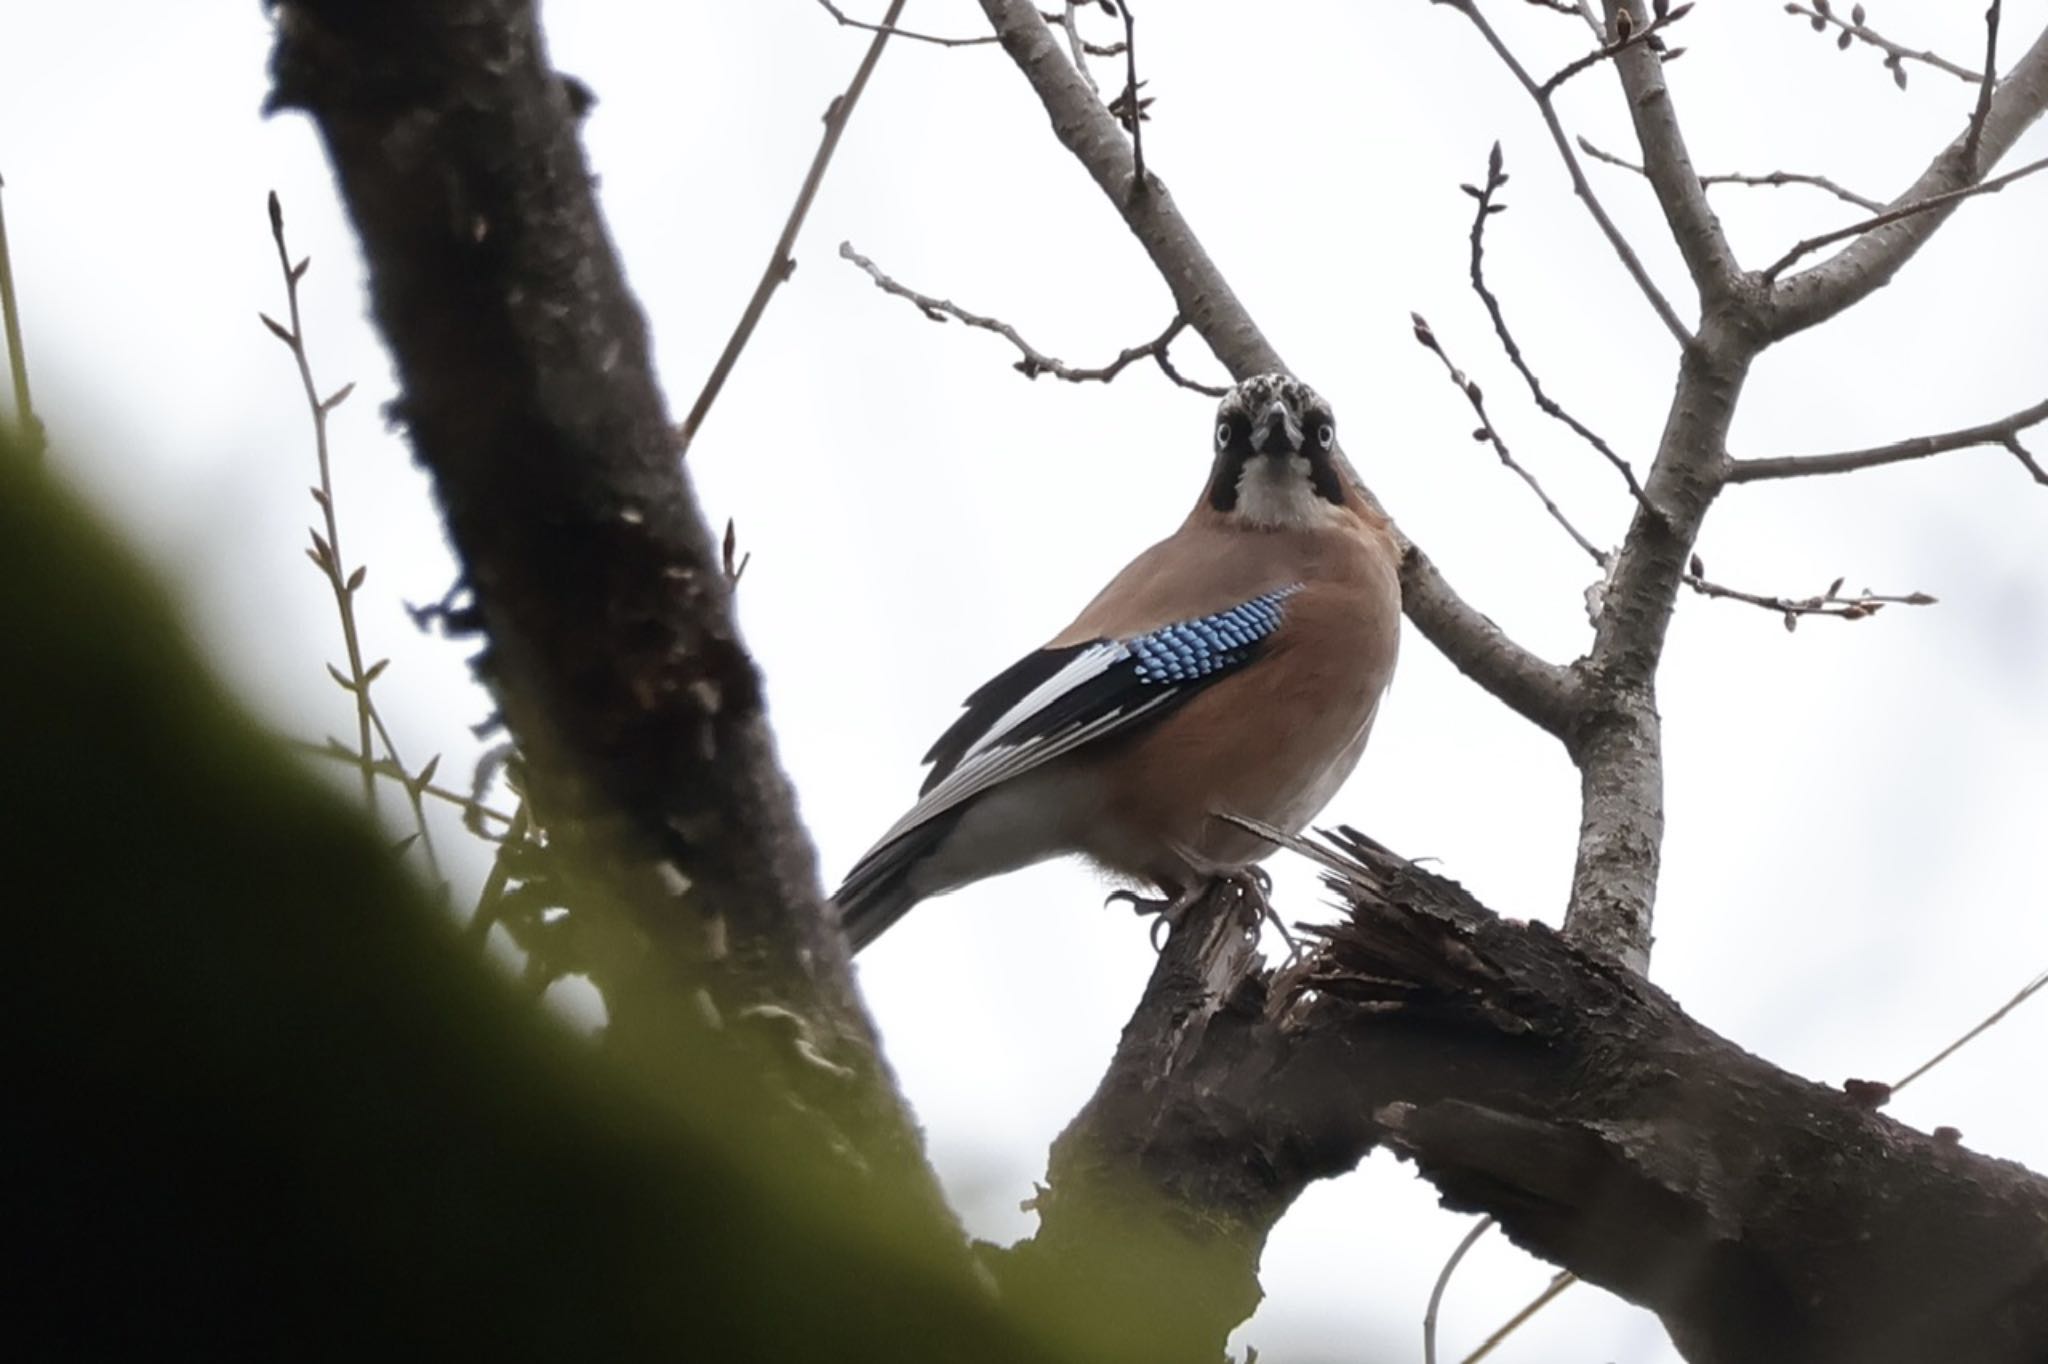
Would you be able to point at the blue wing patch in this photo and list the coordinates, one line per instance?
(1055, 700)
(1194, 649)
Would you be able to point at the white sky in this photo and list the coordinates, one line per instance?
(1852, 874)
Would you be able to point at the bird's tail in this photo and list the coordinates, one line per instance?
(877, 892)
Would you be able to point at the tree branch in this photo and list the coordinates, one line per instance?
(1496, 177)
(2003, 431)
(1893, 215)
(1868, 263)
(1772, 179)
(612, 649)
(1761, 1216)
(1668, 165)
(1623, 252)
(780, 263)
(1035, 361)
(1822, 14)
(1490, 434)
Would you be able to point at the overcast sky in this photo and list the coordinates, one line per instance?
(1853, 869)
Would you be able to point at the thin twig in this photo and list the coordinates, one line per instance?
(1486, 432)
(1077, 51)
(2005, 431)
(780, 263)
(1580, 185)
(327, 558)
(1822, 14)
(1496, 177)
(888, 29)
(2026, 992)
(1127, 107)
(1975, 135)
(17, 360)
(326, 552)
(1035, 361)
(941, 40)
(1831, 603)
(1991, 186)
(1565, 1279)
(1628, 38)
(337, 751)
(1443, 1281)
(1773, 179)
(490, 900)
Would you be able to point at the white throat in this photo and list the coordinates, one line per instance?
(1276, 495)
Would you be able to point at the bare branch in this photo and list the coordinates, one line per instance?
(1945, 200)
(1489, 433)
(1558, 1284)
(1035, 361)
(1076, 50)
(1822, 15)
(981, 40)
(1128, 108)
(780, 263)
(1631, 37)
(1625, 253)
(2026, 992)
(326, 552)
(1774, 178)
(2004, 431)
(1668, 165)
(1870, 261)
(1443, 1281)
(1975, 136)
(1541, 692)
(1496, 177)
(1861, 606)
(887, 28)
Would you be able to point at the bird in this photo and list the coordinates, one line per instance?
(1233, 669)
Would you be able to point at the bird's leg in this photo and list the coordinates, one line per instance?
(1251, 885)
(1254, 887)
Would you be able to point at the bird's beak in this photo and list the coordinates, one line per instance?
(1276, 422)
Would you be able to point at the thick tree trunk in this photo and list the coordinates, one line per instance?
(1763, 1217)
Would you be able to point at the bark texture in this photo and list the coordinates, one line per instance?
(1763, 1217)
(528, 393)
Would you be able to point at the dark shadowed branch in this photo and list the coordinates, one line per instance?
(611, 646)
(1761, 1216)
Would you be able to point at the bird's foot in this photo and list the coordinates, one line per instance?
(1250, 886)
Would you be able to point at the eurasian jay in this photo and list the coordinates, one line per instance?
(1234, 667)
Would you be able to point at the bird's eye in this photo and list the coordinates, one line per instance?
(1326, 434)
(1222, 434)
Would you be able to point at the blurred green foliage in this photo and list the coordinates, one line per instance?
(263, 1102)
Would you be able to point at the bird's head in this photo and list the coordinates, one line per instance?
(1276, 455)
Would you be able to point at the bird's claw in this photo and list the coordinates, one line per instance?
(1251, 885)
